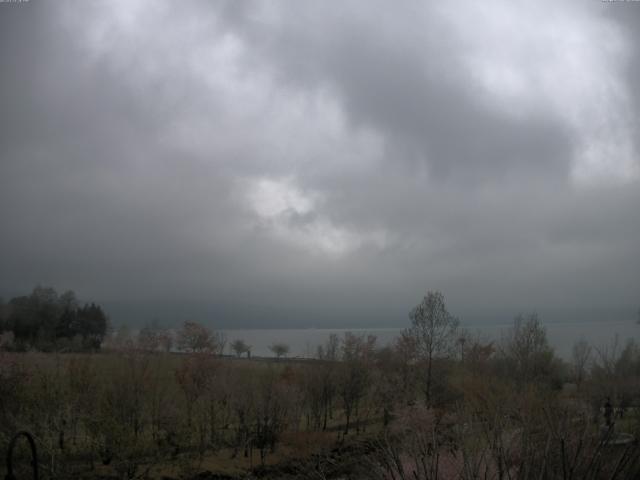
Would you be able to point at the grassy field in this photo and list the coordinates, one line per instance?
(124, 415)
(136, 414)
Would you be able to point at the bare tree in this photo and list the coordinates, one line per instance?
(329, 356)
(417, 446)
(273, 402)
(279, 350)
(434, 331)
(194, 376)
(526, 349)
(354, 375)
(580, 357)
(240, 347)
(329, 351)
(196, 338)
(607, 356)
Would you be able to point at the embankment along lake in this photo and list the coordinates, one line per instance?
(303, 343)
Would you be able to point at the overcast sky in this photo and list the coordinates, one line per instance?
(322, 162)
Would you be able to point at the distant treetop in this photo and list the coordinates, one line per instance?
(47, 321)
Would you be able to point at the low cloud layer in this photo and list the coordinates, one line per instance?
(295, 162)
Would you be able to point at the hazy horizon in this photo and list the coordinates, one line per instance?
(283, 317)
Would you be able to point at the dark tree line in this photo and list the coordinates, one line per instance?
(48, 321)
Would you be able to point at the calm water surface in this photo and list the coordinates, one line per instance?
(562, 336)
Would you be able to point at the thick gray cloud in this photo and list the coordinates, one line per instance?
(277, 163)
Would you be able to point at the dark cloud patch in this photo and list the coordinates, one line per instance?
(411, 90)
(454, 133)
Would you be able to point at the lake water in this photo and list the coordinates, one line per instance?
(304, 342)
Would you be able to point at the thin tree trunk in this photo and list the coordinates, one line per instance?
(428, 389)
